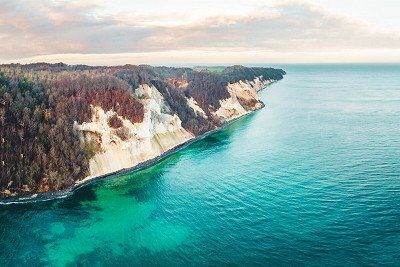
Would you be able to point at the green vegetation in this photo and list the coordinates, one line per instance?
(212, 69)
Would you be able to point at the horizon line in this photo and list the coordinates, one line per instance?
(201, 64)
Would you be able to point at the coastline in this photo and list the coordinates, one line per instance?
(61, 194)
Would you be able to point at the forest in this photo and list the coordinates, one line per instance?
(39, 103)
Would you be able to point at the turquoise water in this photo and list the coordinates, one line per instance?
(314, 178)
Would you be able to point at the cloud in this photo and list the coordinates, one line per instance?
(32, 28)
(29, 28)
(292, 26)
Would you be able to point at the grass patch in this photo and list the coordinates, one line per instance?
(212, 69)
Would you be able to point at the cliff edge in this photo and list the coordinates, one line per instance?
(62, 125)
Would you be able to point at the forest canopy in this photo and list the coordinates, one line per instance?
(39, 104)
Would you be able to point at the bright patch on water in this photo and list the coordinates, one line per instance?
(118, 224)
(314, 178)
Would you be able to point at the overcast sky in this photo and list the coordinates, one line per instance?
(180, 32)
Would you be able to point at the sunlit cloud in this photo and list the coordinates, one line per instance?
(69, 30)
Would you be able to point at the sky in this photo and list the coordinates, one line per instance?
(183, 32)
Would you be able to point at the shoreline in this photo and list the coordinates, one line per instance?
(62, 194)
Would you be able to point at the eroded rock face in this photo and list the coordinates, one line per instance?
(196, 108)
(123, 144)
(243, 99)
(133, 143)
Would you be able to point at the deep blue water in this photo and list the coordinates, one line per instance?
(312, 179)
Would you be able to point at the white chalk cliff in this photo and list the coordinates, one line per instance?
(160, 131)
(246, 91)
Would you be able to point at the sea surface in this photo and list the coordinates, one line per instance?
(312, 179)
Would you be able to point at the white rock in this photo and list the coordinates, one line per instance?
(158, 133)
(231, 107)
(196, 108)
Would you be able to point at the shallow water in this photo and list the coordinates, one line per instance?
(314, 178)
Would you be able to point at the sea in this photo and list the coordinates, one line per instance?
(312, 179)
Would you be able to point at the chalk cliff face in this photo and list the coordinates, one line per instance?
(243, 99)
(133, 143)
(161, 129)
(196, 108)
(62, 125)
